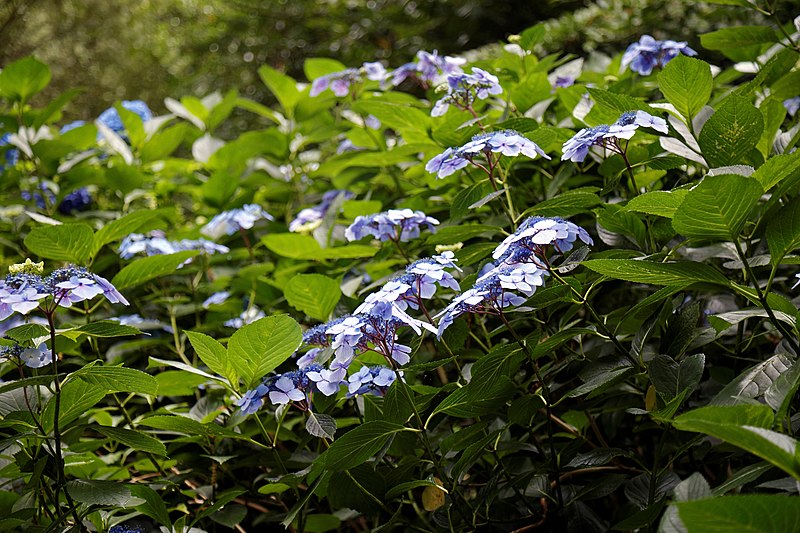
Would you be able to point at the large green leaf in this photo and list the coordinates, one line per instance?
(746, 426)
(783, 231)
(777, 169)
(260, 347)
(214, 355)
(718, 207)
(670, 377)
(154, 506)
(296, 246)
(77, 396)
(122, 227)
(316, 67)
(117, 379)
(66, 242)
(743, 513)
(476, 399)
(359, 444)
(148, 268)
(732, 132)
(282, 86)
(686, 83)
(23, 78)
(133, 439)
(314, 294)
(394, 115)
(659, 203)
(740, 43)
(678, 274)
(102, 492)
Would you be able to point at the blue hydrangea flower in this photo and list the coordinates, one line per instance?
(156, 243)
(71, 126)
(562, 82)
(327, 381)
(77, 200)
(43, 196)
(12, 154)
(36, 357)
(649, 53)
(252, 399)
(110, 117)
(248, 316)
(218, 298)
(505, 142)
(485, 296)
(308, 358)
(535, 233)
(395, 224)
(792, 105)
(310, 218)
(577, 148)
(229, 222)
(370, 380)
(429, 68)
(464, 89)
(338, 82)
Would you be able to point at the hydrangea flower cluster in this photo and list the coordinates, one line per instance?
(648, 53)
(12, 154)
(521, 265)
(33, 357)
(156, 243)
(429, 68)
(110, 117)
(310, 218)
(229, 222)
(792, 105)
(399, 225)
(43, 196)
(504, 142)
(464, 89)
(294, 386)
(24, 289)
(373, 327)
(339, 82)
(77, 200)
(577, 148)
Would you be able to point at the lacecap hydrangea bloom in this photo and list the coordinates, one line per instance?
(464, 89)
(521, 266)
(394, 224)
(504, 142)
(339, 82)
(294, 386)
(429, 68)
(648, 53)
(156, 243)
(229, 222)
(111, 119)
(24, 289)
(577, 148)
(77, 200)
(310, 218)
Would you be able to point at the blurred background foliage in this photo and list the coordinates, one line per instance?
(151, 49)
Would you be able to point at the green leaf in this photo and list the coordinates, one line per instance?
(27, 332)
(640, 271)
(187, 426)
(153, 506)
(783, 231)
(746, 426)
(659, 203)
(609, 106)
(147, 268)
(777, 169)
(394, 115)
(686, 83)
(743, 513)
(23, 78)
(122, 227)
(741, 43)
(163, 143)
(65, 242)
(133, 439)
(77, 396)
(282, 86)
(531, 90)
(214, 355)
(781, 392)
(314, 294)
(476, 399)
(101, 492)
(321, 425)
(358, 445)
(718, 207)
(117, 379)
(402, 488)
(316, 67)
(670, 378)
(297, 246)
(732, 132)
(565, 205)
(104, 329)
(460, 233)
(753, 382)
(260, 347)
